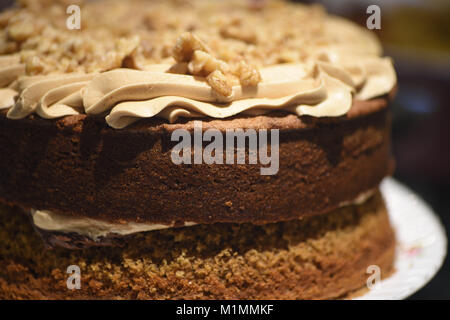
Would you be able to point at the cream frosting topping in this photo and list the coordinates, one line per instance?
(324, 88)
(10, 70)
(323, 85)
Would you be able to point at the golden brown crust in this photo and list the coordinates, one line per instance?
(319, 257)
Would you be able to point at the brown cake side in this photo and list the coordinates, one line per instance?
(80, 167)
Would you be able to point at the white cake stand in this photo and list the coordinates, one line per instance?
(421, 247)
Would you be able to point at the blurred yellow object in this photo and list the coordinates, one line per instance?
(426, 28)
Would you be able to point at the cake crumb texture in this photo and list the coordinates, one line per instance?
(318, 257)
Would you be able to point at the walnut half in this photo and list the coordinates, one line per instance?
(248, 75)
(219, 83)
(186, 45)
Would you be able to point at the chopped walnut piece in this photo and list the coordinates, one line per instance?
(239, 33)
(127, 45)
(127, 48)
(179, 67)
(203, 63)
(220, 83)
(248, 75)
(288, 56)
(21, 31)
(130, 62)
(124, 48)
(34, 65)
(7, 47)
(186, 45)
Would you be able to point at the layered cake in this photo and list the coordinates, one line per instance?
(94, 109)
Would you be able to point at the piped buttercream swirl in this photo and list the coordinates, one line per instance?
(321, 88)
(10, 70)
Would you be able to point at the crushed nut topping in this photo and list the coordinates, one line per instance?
(219, 75)
(224, 41)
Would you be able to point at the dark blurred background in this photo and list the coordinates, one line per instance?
(416, 34)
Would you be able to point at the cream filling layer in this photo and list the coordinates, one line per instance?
(95, 229)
